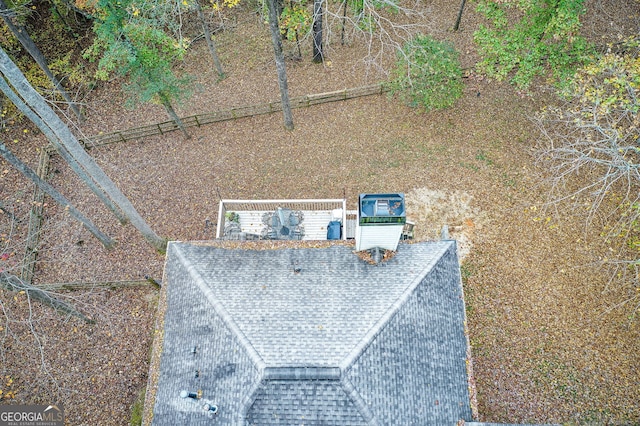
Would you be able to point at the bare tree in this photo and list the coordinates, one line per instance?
(592, 152)
(603, 159)
(25, 307)
(75, 166)
(384, 26)
(18, 321)
(55, 195)
(591, 147)
(14, 284)
(32, 98)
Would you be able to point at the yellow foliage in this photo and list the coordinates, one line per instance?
(5, 392)
(217, 4)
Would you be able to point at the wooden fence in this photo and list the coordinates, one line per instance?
(35, 217)
(35, 222)
(231, 114)
(111, 285)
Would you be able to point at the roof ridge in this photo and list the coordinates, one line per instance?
(223, 314)
(381, 324)
(301, 373)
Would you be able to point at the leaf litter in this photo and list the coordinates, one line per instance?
(544, 349)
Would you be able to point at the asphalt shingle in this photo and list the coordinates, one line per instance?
(418, 359)
(313, 336)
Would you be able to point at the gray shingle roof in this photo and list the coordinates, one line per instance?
(313, 336)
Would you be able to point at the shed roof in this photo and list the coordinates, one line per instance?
(313, 336)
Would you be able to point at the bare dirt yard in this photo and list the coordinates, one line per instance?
(546, 344)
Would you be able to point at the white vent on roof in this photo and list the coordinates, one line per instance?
(187, 394)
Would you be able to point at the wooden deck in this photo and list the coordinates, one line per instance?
(249, 215)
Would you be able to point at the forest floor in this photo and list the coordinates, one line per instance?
(546, 345)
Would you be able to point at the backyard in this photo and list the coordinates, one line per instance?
(547, 342)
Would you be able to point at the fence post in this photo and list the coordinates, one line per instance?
(305, 100)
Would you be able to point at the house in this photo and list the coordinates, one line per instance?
(298, 334)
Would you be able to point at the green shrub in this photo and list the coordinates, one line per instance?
(428, 73)
(295, 21)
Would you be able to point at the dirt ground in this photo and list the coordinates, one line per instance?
(546, 346)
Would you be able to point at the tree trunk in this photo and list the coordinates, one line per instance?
(318, 55)
(31, 115)
(167, 106)
(69, 141)
(457, 24)
(280, 67)
(344, 21)
(25, 40)
(13, 283)
(55, 195)
(207, 37)
(279, 4)
(297, 36)
(111, 285)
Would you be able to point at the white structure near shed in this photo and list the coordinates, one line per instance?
(378, 223)
(381, 221)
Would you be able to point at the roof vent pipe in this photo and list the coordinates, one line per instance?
(211, 408)
(376, 256)
(192, 395)
(444, 233)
